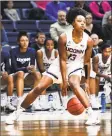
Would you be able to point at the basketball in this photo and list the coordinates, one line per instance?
(74, 106)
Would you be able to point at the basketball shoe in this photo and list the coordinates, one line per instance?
(14, 116)
(93, 118)
(10, 107)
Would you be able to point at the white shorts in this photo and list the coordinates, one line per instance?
(55, 73)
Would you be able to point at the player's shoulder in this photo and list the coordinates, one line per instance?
(15, 50)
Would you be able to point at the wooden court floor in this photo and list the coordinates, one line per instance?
(56, 123)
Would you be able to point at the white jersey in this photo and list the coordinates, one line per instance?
(104, 68)
(75, 59)
(48, 61)
(75, 52)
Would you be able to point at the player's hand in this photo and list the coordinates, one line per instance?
(64, 88)
(31, 68)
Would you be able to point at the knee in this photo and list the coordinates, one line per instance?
(20, 74)
(10, 79)
(74, 85)
(38, 90)
(38, 76)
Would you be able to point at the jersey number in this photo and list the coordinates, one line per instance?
(72, 57)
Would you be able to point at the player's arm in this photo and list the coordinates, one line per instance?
(95, 64)
(40, 61)
(62, 59)
(87, 57)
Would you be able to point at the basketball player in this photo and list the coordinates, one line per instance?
(6, 78)
(75, 48)
(92, 83)
(45, 57)
(23, 61)
(102, 65)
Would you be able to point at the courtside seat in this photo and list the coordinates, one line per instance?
(25, 13)
(8, 25)
(12, 37)
(44, 25)
(27, 25)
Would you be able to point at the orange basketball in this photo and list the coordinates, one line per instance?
(74, 106)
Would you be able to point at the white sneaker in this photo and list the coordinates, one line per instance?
(93, 119)
(95, 104)
(36, 107)
(10, 107)
(43, 102)
(13, 116)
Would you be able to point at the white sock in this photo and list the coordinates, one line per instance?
(89, 110)
(19, 101)
(92, 97)
(19, 98)
(21, 108)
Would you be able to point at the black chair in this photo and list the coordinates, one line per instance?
(22, 4)
(25, 13)
(12, 37)
(44, 25)
(27, 25)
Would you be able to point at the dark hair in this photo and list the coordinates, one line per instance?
(47, 40)
(104, 46)
(73, 13)
(22, 33)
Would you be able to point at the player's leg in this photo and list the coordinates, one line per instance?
(19, 84)
(44, 83)
(74, 82)
(10, 87)
(7, 80)
(19, 81)
(93, 93)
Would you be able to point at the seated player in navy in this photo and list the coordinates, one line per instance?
(23, 62)
(6, 79)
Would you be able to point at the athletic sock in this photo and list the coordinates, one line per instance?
(89, 110)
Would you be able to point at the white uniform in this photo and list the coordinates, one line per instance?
(104, 68)
(48, 61)
(75, 59)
